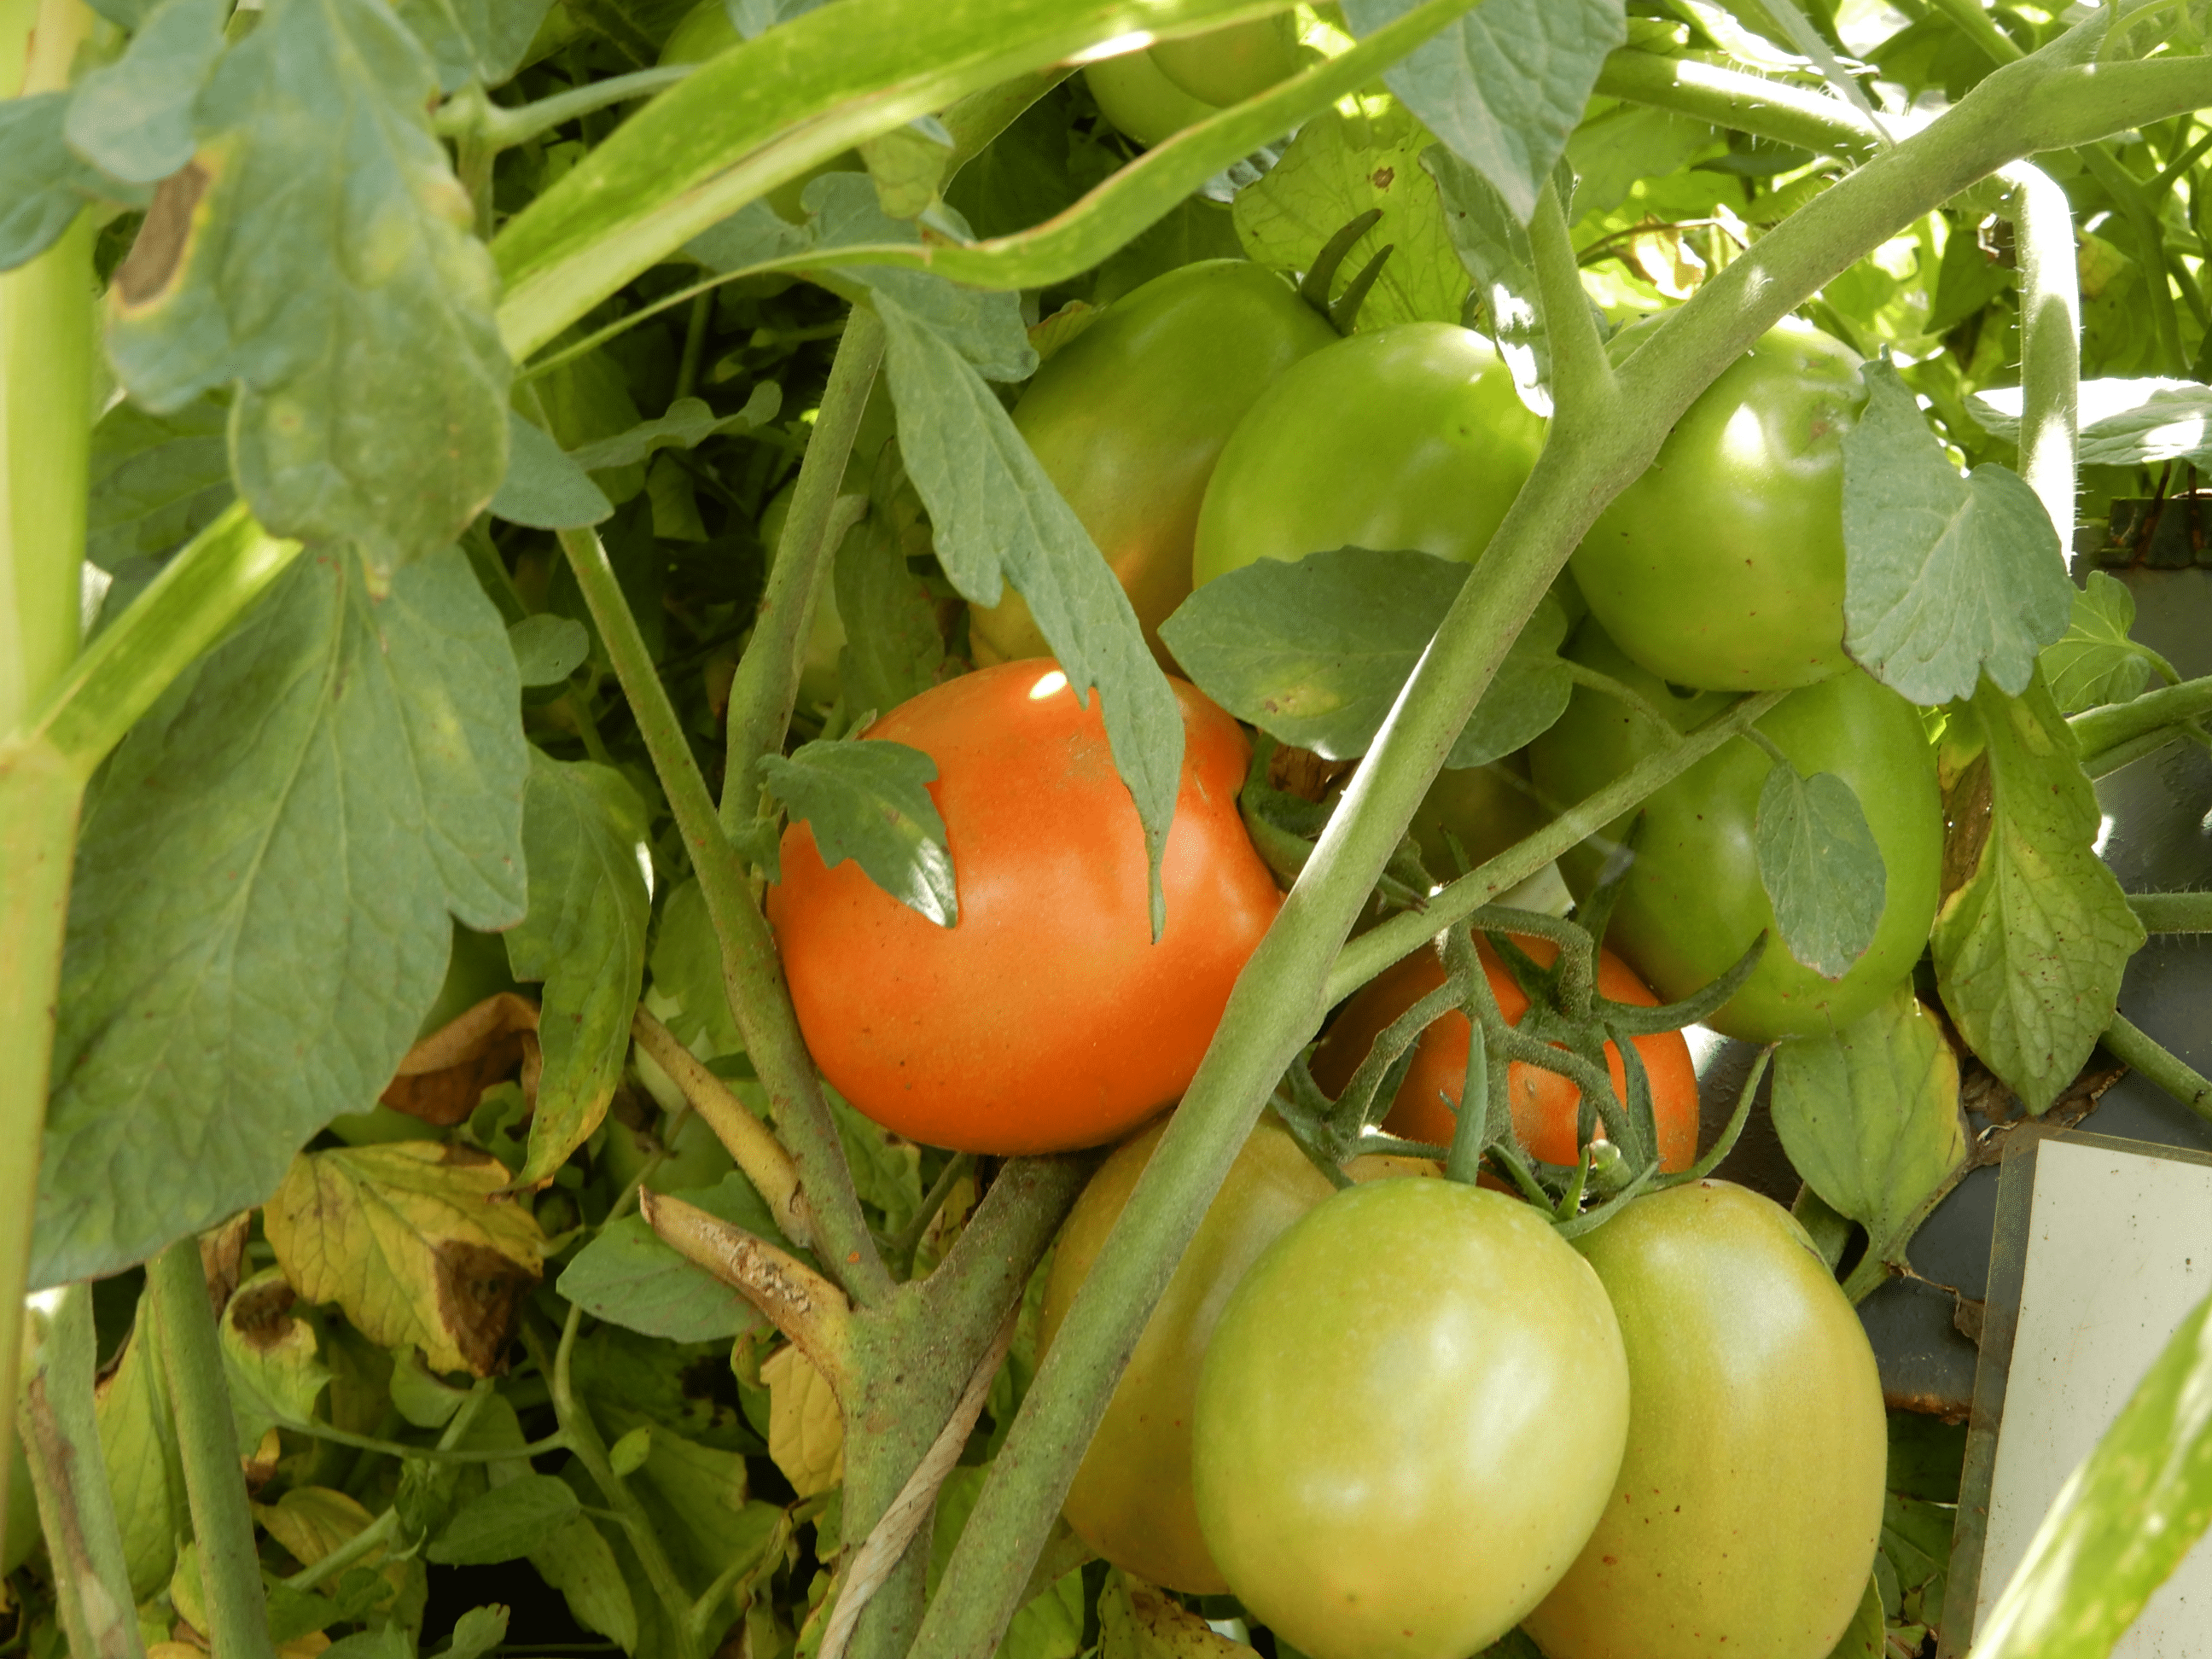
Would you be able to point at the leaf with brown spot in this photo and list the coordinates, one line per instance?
(444, 1074)
(272, 1358)
(413, 1243)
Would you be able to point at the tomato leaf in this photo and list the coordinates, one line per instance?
(503, 1523)
(138, 1444)
(869, 802)
(1869, 1117)
(43, 186)
(892, 646)
(548, 648)
(583, 936)
(476, 1632)
(1315, 652)
(1338, 168)
(469, 40)
(1947, 578)
(372, 382)
(318, 791)
(1494, 248)
(688, 424)
(2124, 1518)
(1504, 86)
(2139, 422)
(272, 1359)
(544, 487)
(2033, 932)
(157, 479)
(133, 117)
(1820, 867)
(2096, 662)
(1862, 1638)
(628, 1276)
(687, 966)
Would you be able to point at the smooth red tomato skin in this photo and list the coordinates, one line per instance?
(1694, 901)
(1409, 1419)
(1047, 1018)
(1410, 437)
(1723, 566)
(1545, 1106)
(1749, 1503)
(1129, 418)
(1131, 1499)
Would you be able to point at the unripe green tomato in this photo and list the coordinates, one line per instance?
(1131, 1500)
(1485, 808)
(707, 32)
(1694, 901)
(1748, 1505)
(1129, 418)
(695, 1158)
(1139, 101)
(1411, 437)
(820, 681)
(1723, 566)
(1226, 66)
(1409, 1419)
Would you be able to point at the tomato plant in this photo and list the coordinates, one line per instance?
(1693, 902)
(1409, 437)
(1153, 94)
(955, 1037)
(1722, 567)
(1749, 1499)
(1378, 1389)
(1130, 416)
(1544, 1104)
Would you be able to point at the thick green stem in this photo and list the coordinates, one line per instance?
(2172, 913)
(766, 688)
(60, 1433)
(1981, 28)
(1768, 109)
(2099, 730)
(2128, 1042)
(2049, 342)
(751, 970)
(206, 1436)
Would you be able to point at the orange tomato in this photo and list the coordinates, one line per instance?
(1545, 1103)
(1047, 1018)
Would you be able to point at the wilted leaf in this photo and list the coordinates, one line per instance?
(272, 1360)
(323, 789)
(1338, 168)
(1947, 578)
(1821, 870)
(1136, 1621)
(1869, 1117)
(583, 936)
(503, 1523)
(627, 1275)
(2033, 932)
(869, 802)
(1315, 652)
(2096, 662)
(440, 1079)
(411, 1242)
(806, 1430)
(1504, 86)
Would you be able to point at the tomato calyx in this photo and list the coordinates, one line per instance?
(1343, 311)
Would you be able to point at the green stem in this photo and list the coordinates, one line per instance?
(2050, 342)
(2128, 1042)
(207, 1436)
(2172, 913)
(359, 1547)
(766, 687)
(471, 115)
(1767, 109)
(77, 1513)
(751, 971)
(367, 1442)
(695, 344)
(1981, 28)
(2097, 731)
(1598, 680)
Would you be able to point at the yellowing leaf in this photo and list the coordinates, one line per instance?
(313, 1521)
(412, 1242)
(806, 1428)
(1138, 1622)
(145, 1471)
(269, 1356)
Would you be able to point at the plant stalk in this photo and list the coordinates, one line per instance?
(2128, 1042)
(2050, 342)
(1786, 114)
(2098, 731)
(2172, 913)
(206, 1436)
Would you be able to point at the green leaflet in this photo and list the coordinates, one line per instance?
(1821, 869)
(869, 802)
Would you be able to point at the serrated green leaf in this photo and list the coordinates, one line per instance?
(157, 479)
(2033, 932)
(1315, 652)
(545, 488)
(1503, 87)
(2096, 662)
(1869, 1117)
(133, 117)
(1495, 252)
(548, 648)
(272, 1359)
(998, 520)
(372, 382)
(687, 965)
(2123, 423)
(1338, 168)
(869, 802)
(320, 792)
(1946, 577)
(688, 424)
(893, 649)
(627, 1275)
(43, 186)
(1821, 870)
(583, 936)
(504, 1522)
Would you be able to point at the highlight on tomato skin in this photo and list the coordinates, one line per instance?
(1545, 1105)
(1047, 1018)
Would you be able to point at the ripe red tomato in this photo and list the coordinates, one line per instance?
(1047, 1018)
(1410, 1417)
(1544, 1104)
(1745, 1516)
